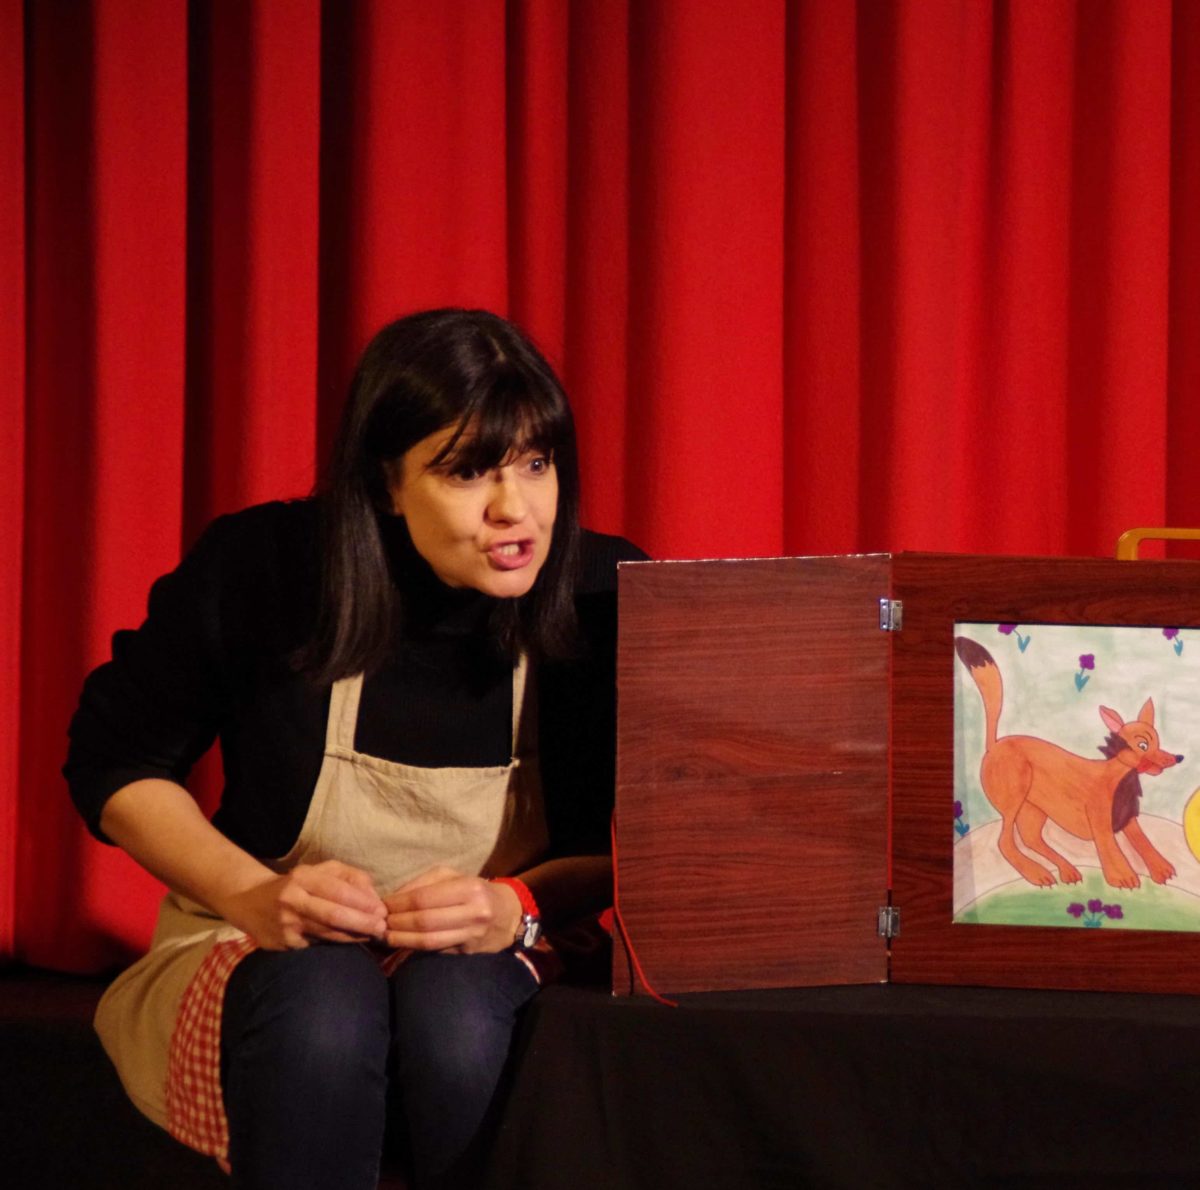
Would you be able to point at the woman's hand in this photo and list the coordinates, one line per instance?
(445, 910)
(160, 825)
(330, 901)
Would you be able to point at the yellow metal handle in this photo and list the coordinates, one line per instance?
(1128, 542)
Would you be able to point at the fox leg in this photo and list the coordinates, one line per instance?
(1114, 865)
(1030, 821)
(1006, 781)
(1030, 869)
(1161, 869)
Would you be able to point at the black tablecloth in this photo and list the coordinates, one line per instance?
(857, 1087)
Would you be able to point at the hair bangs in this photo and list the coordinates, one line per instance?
(511, 417)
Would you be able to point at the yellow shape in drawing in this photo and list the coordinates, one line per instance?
(1191, 824)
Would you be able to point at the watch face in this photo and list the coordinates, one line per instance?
(532, 930)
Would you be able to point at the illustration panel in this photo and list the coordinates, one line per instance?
(1076, 772)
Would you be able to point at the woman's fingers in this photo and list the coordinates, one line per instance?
(459, 912)
(441, 909)
(325, 902)
(335, 881)
(453, 889)
(435, 921)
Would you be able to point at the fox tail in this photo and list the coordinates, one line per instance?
(986, 675)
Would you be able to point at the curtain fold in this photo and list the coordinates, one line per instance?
(253, 219)
(12, 443)
(706, 203)
(1183, 300)
(103, 452)
(596, 329)
(823, 423)
(821, 277)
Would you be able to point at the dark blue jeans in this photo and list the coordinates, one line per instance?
(318, 1046)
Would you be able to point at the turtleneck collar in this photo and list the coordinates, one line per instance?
(429, 605)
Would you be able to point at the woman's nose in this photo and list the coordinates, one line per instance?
(507, 502)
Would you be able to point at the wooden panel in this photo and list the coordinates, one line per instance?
(938, 591)
(752, 772)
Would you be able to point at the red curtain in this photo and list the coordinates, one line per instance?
(821, 277)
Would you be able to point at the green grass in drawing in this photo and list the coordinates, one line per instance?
(1152, 907)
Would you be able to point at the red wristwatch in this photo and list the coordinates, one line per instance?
(530, 929)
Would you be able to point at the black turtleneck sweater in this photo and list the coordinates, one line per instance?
(211, 661)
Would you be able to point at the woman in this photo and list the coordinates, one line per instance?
(411, 676)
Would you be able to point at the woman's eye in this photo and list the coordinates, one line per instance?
(539, 465)
(465, 474)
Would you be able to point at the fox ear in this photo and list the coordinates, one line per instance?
(1146, 714)
(1112, 720)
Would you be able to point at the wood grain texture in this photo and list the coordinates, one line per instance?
(755, 714)
(752, 772)
(937, 591)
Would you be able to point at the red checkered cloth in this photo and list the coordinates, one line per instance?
(195, 1109)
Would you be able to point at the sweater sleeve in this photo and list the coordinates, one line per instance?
(155, 707)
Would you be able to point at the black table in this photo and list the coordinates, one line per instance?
(855, 1087)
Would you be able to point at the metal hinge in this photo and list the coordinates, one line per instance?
(888, 921)
(891, 615)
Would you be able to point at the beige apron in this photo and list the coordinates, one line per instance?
(392, 820)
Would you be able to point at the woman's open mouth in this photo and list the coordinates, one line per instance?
(511, 555)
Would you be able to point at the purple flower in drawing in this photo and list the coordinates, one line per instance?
(960, 827)
(1094, 913)
(1009, 630)
(958, 809)
(1087, 661)
(1172, 634)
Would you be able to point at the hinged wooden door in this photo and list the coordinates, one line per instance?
(752, 771)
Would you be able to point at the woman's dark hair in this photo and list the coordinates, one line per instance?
(420, 374)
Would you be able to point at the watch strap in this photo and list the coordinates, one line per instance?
(524, 894)
(530, 927)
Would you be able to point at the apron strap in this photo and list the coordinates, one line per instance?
(520, 674)
(343, 714)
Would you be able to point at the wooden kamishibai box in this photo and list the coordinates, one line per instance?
(785, 770)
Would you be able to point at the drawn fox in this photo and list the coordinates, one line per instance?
(1029, 780)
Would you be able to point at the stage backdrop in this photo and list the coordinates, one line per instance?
(820, 277)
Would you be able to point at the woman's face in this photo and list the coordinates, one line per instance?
(489, 530)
